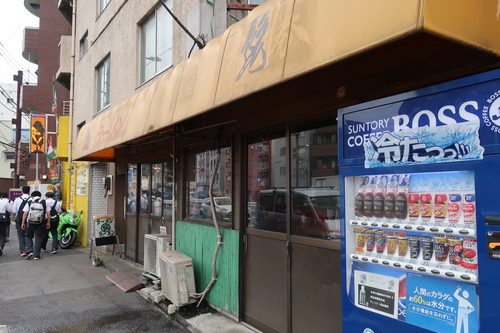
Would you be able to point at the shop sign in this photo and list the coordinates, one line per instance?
(451, 125)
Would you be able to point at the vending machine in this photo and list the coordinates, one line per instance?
(420, 185)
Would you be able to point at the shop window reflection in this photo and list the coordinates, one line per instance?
(201, 166)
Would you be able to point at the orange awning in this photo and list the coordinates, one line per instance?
(278, 41)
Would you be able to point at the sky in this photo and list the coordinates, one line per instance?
(14, 17)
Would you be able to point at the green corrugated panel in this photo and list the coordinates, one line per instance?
(198, 242)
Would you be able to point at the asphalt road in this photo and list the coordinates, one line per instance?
(65, 293)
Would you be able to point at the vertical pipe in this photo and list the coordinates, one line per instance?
(174, 191)
(71, 104)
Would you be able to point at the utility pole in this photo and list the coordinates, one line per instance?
(17, 122)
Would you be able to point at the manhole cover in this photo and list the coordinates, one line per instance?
(85, 297)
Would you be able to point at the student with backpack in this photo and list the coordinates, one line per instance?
(35, 224)
(53, 209)
(18, 212)
(5, 210)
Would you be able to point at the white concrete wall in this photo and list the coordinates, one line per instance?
(117, 32)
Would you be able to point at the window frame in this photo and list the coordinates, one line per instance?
(84, 44)
(190, 212)
(154, 22)
(102, 5)
(103, 73)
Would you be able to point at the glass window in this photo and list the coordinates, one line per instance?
(103, 85)
(313, 185)
(9, 155)
(132, 187)
(156, 189)
(84, 44)
(266, 185)
(156, 43)
(101, 5)
(168, 189)
(201, 166)
(314, 179)
(144, 202)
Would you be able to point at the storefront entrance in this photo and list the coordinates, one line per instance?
(149, 204)
(292, 239)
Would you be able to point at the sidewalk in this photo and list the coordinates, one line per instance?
(203, 319)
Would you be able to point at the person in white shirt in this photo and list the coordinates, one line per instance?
(53, 209)
(17, 212)
(35, 228)
(5, 210)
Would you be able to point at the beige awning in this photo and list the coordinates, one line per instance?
(278, 41)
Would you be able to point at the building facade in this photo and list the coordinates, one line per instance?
(250, 116)
(45, 100)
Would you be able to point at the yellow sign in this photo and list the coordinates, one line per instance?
(37, 134)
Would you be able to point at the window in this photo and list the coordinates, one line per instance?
(101, 5)
(312, 186)
(145, 193)
(156, 43)
(315, 182)
(9, 155)
(103, 85)
(84, 44)
(200, 167)
(132, 189)
(265, 189)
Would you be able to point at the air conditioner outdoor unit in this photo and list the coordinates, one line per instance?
(177, 278)
(154, 244)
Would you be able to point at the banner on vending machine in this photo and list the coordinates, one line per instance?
(447, 123)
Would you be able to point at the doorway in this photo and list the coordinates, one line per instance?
(149, 205)
(292, 265)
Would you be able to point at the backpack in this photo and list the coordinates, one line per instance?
(36, 212)
(20, 211)
(54, 217)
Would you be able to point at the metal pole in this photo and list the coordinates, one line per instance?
(37, 167)
(18, 121)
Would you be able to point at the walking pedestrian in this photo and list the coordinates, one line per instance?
(18, 212)
(35, 224)
(5, 210)
(7, 227)
(53, 210)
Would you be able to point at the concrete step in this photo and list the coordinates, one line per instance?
(124, 281)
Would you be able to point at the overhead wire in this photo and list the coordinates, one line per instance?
(12, 62)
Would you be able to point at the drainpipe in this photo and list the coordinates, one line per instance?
(71, 100)
(174, 190)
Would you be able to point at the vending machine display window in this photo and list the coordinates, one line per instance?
(411, 244)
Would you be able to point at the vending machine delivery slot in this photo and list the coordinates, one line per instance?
(492, 219)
